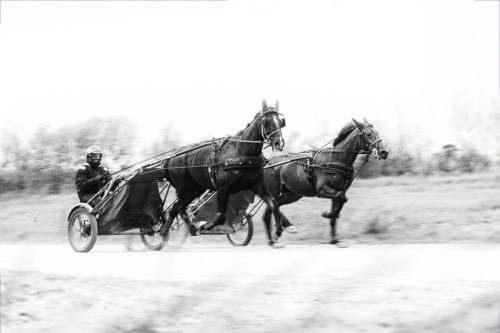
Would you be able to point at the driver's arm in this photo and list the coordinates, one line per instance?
(83, 183)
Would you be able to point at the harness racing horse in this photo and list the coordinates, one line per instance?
(227, 165)
(322, 173)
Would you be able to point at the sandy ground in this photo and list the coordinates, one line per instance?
(219, 288)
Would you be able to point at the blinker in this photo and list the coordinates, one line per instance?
(282, 122)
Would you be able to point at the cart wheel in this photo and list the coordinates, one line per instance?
(243, 232)
(82, 230)
(177, 234)
(152, 239)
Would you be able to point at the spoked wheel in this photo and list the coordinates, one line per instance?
(152, 239)
(243, 232)
(177, 233)
(82, 230)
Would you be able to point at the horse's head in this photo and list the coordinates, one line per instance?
(271, 124)
(371, 140)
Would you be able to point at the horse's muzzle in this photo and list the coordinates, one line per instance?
(278, 144)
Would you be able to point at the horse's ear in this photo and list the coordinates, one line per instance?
(264, 105)
(277, 105)
(366, 121)
(359, 125)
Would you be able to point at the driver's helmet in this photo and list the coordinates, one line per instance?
(94, 156)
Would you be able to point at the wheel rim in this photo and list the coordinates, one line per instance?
(152, 238)
(240, 234)
(78, 237)
(177, 233)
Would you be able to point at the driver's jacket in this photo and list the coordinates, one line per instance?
(87, 183)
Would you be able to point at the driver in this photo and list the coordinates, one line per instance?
(92, 177)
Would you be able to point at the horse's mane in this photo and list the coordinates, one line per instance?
(241, 131)
(344, 132)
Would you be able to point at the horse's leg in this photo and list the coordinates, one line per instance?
(193, 229)
(340, 197)
(220, 217)
(277, 215)
(285, 198)
(285, 221)
(177, 209)
(267, 223)
(287, 225)
(333, 215)
(266, 217)
(169, 219)
(269, 188)
(272, 204)
(184, 199)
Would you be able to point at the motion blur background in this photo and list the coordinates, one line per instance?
(143, 78)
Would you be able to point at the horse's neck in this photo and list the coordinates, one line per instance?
(348, 149)
(251, 133)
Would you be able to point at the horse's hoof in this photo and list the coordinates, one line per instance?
(277, 245)
(276, 238)
(334, 241)
(292, 229)
(328, 215)
(342, 244)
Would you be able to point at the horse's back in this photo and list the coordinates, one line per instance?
(293, 173)
(190, 164)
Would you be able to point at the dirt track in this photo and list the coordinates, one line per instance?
(364, 288)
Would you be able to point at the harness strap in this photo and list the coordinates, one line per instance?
(336, 169)
(244, 162)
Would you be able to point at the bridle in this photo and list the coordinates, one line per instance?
(267, 136)
(372, 145)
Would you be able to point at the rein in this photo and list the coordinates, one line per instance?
(237, 162)
(245, 141)
(332, 150)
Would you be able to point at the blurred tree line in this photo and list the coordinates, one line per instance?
(449, 160)
(48, 162)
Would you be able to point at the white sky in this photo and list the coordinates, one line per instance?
(204, 67)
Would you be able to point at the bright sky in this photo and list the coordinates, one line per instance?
(204, 67)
